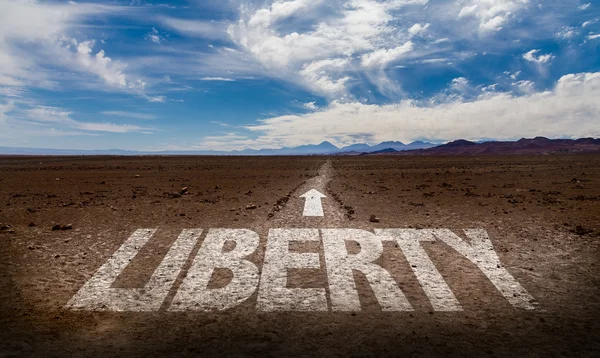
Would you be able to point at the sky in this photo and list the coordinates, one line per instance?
(234, 74)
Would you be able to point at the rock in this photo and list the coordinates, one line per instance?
(172, 195)
(57, 179)
(7, 229)
(62, 227)
(250, 207)
(217, 187)
(373, 219)
(137, 176)
(184, 191)
(31, 224)
(581, 231)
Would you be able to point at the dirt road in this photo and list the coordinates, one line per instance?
(366, 256)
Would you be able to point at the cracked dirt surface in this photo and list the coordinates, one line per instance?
(540, 213)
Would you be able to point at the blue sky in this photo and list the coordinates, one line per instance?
(229, 74)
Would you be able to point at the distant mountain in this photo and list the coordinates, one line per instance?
(399, 146)
(309, 149)
(382, 151)
(362, 147)
(323, 148)
(538, 145)
(45, 151)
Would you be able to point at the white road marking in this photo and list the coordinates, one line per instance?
(481, 252)
(97, 295)
(313, 205)
(436, 289)
(194, 293)
(273, 294)
(342, 287)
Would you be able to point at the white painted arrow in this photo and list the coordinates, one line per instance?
(313, 205)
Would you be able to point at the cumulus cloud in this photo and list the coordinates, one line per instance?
(310, 106)
(570, 109)
(593, 36)
(541, 59)
(319, 75)
(45, 28)
(33, 52)
(417, 29)
(357, 29)
(492, 14)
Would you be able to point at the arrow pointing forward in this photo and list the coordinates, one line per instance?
(313, 205)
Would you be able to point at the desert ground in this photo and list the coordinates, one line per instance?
(62, 218)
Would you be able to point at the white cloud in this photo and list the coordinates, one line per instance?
(588, 23)
(384, 56)
(348, 30)
(155, 36)
(571, 109)
(322, 75)
(125, 114)
(584, 6)
(46, 24)
(492, 14)
(12, 91)
(223, 79)
(157, 99)
(279, 10)
(524, 86)
(460, 84)
(40, 51)
(311, 106)
(100, 65)
(222, 124)
(593, 36)
(197, 28)
(541, 59)
(60, 117)
(5, 108)
(566, 32)
(417, 29)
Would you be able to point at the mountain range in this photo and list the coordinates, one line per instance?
(538, 145)
(309, 149)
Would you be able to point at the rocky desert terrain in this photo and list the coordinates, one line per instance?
(63, 218)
